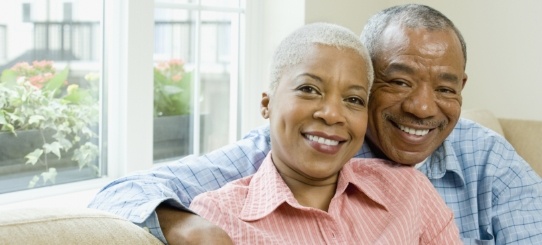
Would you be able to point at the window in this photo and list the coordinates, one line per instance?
(67, 11)
(123, 54)
(196, 76)
(49, 94)
(26, 12)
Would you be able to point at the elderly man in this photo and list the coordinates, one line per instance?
(419, 59)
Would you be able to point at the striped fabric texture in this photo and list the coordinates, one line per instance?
(375, 203)
(495, 195)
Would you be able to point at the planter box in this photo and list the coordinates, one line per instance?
(172, 137)
(15, 174)
(13, 149)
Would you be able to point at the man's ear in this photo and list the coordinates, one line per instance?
(465, 77)
(264, 105)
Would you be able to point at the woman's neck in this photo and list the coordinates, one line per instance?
(313, 194)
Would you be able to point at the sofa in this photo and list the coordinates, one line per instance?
(81, 226)
(88, 226)
(524, 135)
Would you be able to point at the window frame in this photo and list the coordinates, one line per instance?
(128, 47)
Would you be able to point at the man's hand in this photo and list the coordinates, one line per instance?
(189, 229)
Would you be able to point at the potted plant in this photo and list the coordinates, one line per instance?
(56, 119)
(172, 89)
(172, 109)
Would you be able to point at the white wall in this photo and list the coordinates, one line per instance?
(268, 22)
(504, 45)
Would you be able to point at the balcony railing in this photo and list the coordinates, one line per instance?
(66, 41)
(173, 38)
(3, 43)
(79, 41)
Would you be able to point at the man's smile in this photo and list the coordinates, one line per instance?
(418, 132)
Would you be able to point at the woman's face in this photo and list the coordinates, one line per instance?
(318, 114)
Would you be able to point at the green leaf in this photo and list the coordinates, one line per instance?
(49, 176)
(9, 77)
(8, 127)
(3, 118)
(86, 154)
(57, 81)
(34, 156)
(77, 97)
(170, 90)
(33, 181)
(53, 148)
(35, 119)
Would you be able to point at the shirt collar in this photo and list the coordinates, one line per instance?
(441, 161)
(266, 192)
(267, 189)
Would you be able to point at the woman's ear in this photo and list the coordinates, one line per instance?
(264, 105)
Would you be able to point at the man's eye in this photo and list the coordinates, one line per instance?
(446, 90)
(399, 83)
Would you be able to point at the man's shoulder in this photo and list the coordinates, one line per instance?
(471, 137)
(247, 152)
(231, 194)
(466, 130)
(476, 148)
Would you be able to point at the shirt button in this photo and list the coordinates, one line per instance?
(146, 229)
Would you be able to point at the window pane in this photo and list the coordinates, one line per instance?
(49, 93)
(173, 83)
(201, 43)
(221, 3)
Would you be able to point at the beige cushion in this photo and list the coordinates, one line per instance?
(69, 226)
(484, 117)
(526, 137)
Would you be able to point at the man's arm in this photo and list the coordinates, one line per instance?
(507, 191)
(517, 205)
(136, 196)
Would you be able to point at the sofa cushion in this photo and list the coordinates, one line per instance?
(525, 136)
(484, 117)
(69, 226)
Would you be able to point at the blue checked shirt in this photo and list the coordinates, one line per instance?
(495, 195)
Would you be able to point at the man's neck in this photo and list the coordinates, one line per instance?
(377, 153)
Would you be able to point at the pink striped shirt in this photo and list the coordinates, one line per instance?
(376, 202)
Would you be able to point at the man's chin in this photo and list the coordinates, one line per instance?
(408, 158)
(393, 153)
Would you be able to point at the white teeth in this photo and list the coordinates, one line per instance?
(321, 140)
(418, 132)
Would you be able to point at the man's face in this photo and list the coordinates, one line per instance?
(416, 97)
(318, 114)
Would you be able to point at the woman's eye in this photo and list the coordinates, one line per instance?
(356, 100)
(307, 89)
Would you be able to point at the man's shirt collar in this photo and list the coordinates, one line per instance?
(443, 160)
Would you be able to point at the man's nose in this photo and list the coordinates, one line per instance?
(421, 102)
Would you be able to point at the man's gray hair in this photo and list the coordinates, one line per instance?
(295, 47)
(410, 16)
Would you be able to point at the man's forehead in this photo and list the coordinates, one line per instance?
(409, 69)
(399, 40)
